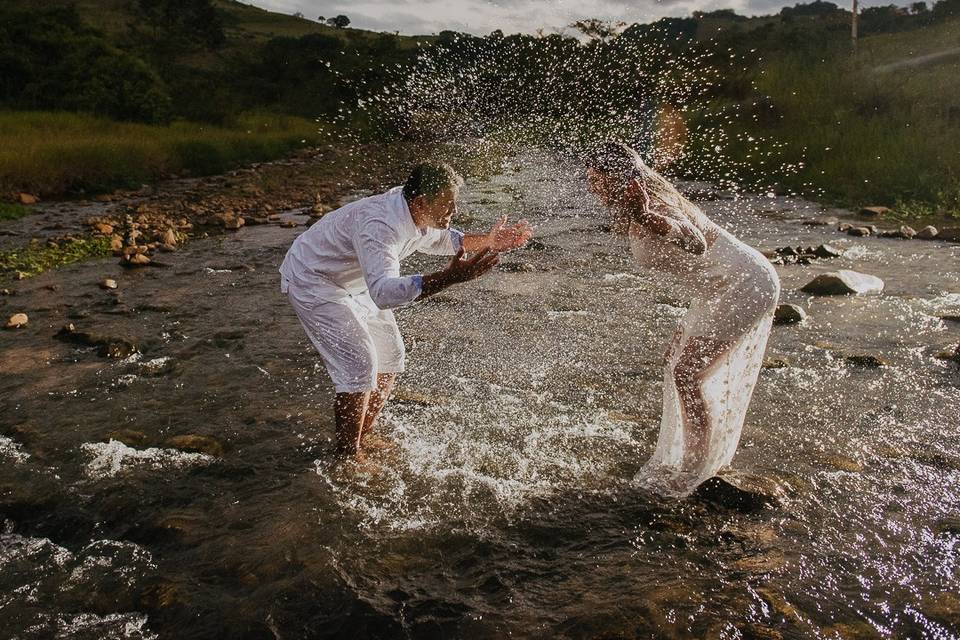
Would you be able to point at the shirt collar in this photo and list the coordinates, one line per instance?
(403, 213)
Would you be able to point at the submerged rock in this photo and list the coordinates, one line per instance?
(197, 444)
(843, 282)
(867, 361)
(789, 314)
(17, 320)
(827, 251)
(106, 346)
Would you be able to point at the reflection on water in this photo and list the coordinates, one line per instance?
(189, 492)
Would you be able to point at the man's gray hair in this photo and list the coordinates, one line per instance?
(429, 179)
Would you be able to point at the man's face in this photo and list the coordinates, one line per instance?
(439, 210)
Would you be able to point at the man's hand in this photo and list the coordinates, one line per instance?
(459, 270)
(503, 238)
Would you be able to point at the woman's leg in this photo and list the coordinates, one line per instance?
(697, 358)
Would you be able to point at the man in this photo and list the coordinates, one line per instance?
(342, 277)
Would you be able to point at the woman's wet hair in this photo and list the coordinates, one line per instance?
(429, 179)
(614, 159)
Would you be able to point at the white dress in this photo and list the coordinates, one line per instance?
(734, 292)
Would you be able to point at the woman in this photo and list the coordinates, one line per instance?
(715, 355)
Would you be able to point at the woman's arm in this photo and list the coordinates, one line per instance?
(677, 230)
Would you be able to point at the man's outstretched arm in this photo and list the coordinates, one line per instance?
(459, 270)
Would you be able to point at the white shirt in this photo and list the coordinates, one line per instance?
(358, 249)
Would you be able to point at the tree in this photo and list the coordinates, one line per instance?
(598, 29)
(339, 22)
(918, 8)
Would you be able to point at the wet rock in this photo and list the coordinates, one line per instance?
(233, 223)
(843, 282)
(108, 283)
(16, 321)
(827, 251)
(26, 198)
(135, 259)
(874, 212)
(929, 232)
(103, 229)
(741, 491)
(6, 292)
(289, 224)
(907, 232)
(196, 444)
(789, 314)
(858, 231)
(866, 361)
(116, 348)
(167, 248)
(116, 244)
(169, 237)
(775, 363)
(844, 226)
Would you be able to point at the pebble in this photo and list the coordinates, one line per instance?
(17, 320)
(108, 283)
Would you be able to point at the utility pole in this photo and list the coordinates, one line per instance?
(853, 25)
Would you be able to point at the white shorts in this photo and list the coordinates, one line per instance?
(355, 339)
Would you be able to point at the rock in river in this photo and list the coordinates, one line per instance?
(843, 282)
(789, 314)
(742, 491)
(108, 283)
(873, 212)
(929, 232)
(17, 320)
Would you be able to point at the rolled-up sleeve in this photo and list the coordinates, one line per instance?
(377, 249)
(440, 242)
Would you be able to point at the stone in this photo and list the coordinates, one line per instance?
(116, 244)
(233, 223)
(741, 491)
(844, 226)
(827, 251)
(907, 232)
(106, 346)
(775, 363)
(843, 282)
(929, 232)
(289, 224)
(951, 317)
(197, 444)
(167, 248)
(789, 314)
(17, 320)
(103, 228)
(821, 222)
(874, 212)
(138, 259)
(866, 361)
(108, 283)
(169, 237)
(26, 198)
(859, 232)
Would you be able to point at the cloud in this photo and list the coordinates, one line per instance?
(483, 16)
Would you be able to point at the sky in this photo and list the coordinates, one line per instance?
(511, 16)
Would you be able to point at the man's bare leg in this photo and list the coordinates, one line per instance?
(377, 400)
(349, 413)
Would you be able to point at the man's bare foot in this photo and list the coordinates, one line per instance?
(376, 442)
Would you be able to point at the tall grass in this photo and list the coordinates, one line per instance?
(53, 153)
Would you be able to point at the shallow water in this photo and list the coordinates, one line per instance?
(506, 506)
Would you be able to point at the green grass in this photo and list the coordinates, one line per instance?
(37, 257)
(861, 137)
(51, 154)
(10, 211)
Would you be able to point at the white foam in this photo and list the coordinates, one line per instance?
(12, 450)
(113, 457)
